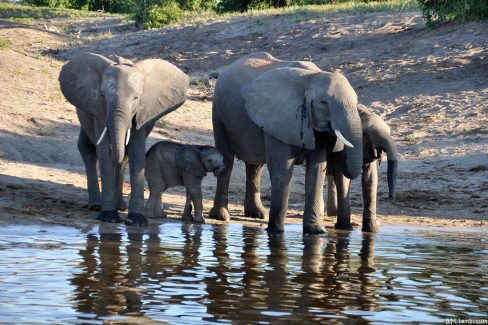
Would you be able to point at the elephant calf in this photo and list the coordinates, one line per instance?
(170, 164)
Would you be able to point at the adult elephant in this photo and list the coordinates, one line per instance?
(118, 104)
(282, 113)
(376, 140)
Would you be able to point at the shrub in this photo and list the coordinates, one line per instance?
(5, 43)
(161, 15)
(441, 11)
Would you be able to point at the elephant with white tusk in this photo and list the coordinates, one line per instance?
(376, 140)
(281, 113)
(118, 104)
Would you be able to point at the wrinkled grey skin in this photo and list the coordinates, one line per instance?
(376, 140)
(170, 164)
(282, 113)
(123, 97)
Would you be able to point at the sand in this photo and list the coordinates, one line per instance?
(430, 86)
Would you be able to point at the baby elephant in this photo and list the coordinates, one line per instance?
(171, 164)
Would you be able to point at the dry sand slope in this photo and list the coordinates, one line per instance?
(430, 85)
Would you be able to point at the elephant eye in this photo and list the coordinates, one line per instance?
(324, 102)
(136, 97)
(102, 95)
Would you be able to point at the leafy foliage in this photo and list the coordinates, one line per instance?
(441, 11)
(165, 14)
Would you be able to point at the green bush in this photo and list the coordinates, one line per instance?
(441, 11)
(5, 43)
(161, 15)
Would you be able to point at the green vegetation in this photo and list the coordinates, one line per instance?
(156, 13)
(5, 43)
(13, 11)
(408, 138)
(161, 15)
(440, 11)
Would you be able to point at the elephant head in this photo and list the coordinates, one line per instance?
(211, 159)
(292, 104)
(198, 160)
(120, 93)
(377, 139)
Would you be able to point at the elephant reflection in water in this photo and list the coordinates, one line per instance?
(116, 271)
(105, 285)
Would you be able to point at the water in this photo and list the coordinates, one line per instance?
(194, 274)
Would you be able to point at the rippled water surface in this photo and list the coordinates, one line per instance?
(183, 273)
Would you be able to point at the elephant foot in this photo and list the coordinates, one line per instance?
(111, 216)
(219, 214)
(370, 226)
(199, 219)
(121, 205)
(155, 213)
(94, 206)
(343, 226)
(275, 228)
(186, 217)
(136, 219)
(313, 229)
(255, 212)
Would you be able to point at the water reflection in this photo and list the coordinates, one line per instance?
(185, 273)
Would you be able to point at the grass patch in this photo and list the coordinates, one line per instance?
(408, 138)
(304, 13)
(16, 11)
(5, 43)
(27, 14)
(22, 20)
(99, 37)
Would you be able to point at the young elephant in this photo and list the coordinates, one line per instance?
(170, 164)
(376, 140)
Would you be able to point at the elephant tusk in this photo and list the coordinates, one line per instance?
(127, 137)
(101, 137)
(342, 139)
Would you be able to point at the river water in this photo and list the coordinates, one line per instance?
(196, 274)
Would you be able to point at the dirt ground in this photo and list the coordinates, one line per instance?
(431, 86)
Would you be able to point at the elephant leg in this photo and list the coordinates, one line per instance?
(137, 155)
(369, 182)
(154, 208)
(196, 198)
(89, 155)
(331, 193)
(119, 181)
(343, 203)
(342, 192)
(314, 196)
(252, 204)
(107, 173)
(188, 208)
(220, 210)
(280, 160)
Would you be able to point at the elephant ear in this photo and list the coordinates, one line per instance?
(164, 90)
(80, 81)
(275, 101)
(188, 159)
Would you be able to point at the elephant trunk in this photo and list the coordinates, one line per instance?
(119, 122)
(349, 124)
(389, 146)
